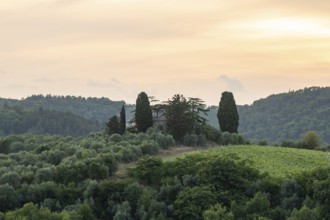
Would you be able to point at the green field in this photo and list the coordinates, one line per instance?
(277, 161)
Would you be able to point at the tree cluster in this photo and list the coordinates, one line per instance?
(116, 125)
(184, 118)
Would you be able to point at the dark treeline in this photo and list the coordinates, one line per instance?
(96, 109)
(16, 120)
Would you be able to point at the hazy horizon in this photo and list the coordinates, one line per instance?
(118, 48)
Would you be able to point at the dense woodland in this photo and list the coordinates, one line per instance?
(288, 116)
(285, 116)
(18, 120)
(96, 109)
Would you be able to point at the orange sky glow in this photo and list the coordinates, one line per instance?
(118, 48)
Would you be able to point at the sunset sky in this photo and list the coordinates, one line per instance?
(198, 48)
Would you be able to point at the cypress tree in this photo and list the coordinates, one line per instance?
(122, 120)
(143, 113)
(227, 113)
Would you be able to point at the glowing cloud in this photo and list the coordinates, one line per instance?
(291, 26)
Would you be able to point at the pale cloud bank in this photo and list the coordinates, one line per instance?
(232, 84)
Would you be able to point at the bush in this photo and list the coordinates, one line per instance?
(148, 170)
(136, 150)
(127, 154)
(202, 141)
(218, 212)
(292, 144)
(12, 178)
(227, 138)
(190, 140)
(149, 147)
(311, 140)
(305, 213)
(110, 161)
(211, 133)
(9, 199)
(263, 143)
(44, 175)
(140, 138)
(191, 202)
(116, 138)
(165, 141)
(16, 147)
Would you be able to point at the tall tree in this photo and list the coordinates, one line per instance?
(227, 113)
(122, 120)
(112, 126)
(143, 113)
(198, 109)
(179, 120)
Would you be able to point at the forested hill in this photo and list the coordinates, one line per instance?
(16, 120)
(287, 116)
(64, 115)
(96, 109)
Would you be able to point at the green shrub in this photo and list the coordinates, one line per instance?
(11, 178)
(44, 174)
(148, 170)
(16, 147)
(263, 143)
(217, 212)
(311, 140)
(127, 154)
(202, 141)
(192, 202)
(190, 140)
(149, 147)
(115, 138)
(165, 141)
(136, 150)
(227, 138)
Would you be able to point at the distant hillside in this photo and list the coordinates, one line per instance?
(212, 116)
(96, 109)
(64, 115)
(284, 116)
(16, 120)
(288, 115)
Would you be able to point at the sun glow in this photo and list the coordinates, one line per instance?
(292, 26)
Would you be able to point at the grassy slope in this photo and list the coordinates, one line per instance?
(277, 161)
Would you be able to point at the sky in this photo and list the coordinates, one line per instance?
(119, 48)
